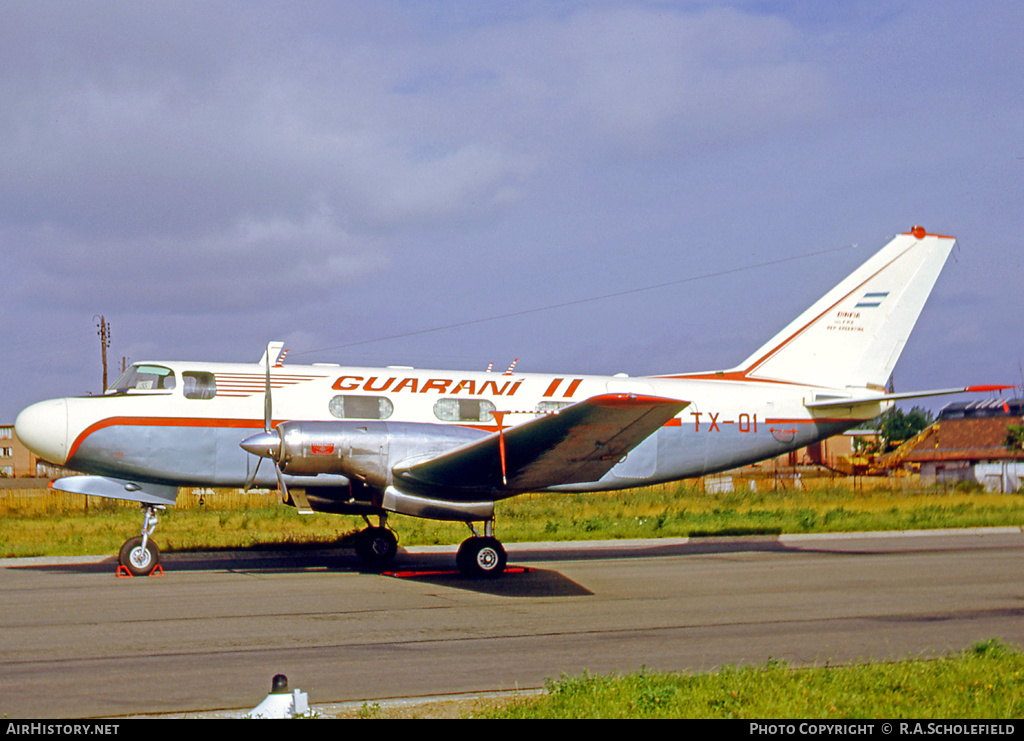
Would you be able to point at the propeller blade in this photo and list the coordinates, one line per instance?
(252, 479)
(266, 445)
(268, 404)
(281, 486)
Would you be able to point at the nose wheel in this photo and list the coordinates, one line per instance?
(139, 556)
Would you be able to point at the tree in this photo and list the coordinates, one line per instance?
(1015, 436)
(897, 426)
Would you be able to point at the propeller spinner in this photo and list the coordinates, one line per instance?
(264, 445)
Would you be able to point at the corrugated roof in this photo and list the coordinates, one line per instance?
(969, 438)
(983, 408)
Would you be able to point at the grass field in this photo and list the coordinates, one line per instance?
(42, 523)
(984, 681)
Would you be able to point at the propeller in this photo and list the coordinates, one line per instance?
(266, 444)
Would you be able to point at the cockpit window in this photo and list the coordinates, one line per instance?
(142, 378)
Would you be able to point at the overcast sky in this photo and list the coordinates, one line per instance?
(210, 176)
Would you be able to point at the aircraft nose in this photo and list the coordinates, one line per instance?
(43, 429)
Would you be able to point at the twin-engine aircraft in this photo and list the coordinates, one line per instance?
(448, 445)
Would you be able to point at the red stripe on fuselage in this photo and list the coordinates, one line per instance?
(237, 424)
(242, 424)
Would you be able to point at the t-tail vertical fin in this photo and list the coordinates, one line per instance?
(853, 336)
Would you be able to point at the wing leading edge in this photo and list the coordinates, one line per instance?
(578, 444)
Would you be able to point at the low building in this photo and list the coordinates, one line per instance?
(968, 442)
(17, 461)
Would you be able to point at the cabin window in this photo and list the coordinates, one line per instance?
(199, 385)
(144, 378)
(464, 410)
(361, 407)
(552, 407)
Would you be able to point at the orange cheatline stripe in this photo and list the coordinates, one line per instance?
(163, 422)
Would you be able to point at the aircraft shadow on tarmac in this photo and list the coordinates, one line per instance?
(434, 568)
(520, 579)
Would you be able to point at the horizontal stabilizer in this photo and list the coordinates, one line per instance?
(578, 444)
(102, 486)
(870, 400)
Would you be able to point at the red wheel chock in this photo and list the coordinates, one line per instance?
(123, 572)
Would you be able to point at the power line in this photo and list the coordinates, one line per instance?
(578, 302)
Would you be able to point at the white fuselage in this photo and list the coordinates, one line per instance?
(185, 424)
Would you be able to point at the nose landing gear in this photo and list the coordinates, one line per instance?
(139, 556)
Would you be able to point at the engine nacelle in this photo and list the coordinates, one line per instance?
(347, 448)
(366, 451)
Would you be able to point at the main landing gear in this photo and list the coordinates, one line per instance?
(482, 556)
(479, 556)
(139, 556)
(376, 546)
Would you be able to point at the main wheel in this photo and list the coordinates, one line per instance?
(138, 560)
(481, 557)
(376, 546)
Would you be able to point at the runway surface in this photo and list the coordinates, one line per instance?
(210, 634)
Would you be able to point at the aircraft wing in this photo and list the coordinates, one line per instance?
(843, 403)
(580, 443)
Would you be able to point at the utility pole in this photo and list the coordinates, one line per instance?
(104, 333)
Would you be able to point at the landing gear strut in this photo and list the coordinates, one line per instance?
(139, 555)
(482, 556)
(376, 546)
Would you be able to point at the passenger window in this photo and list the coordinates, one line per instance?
(361, 407)
(199, 385)
(464, 410)
(552, 407)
